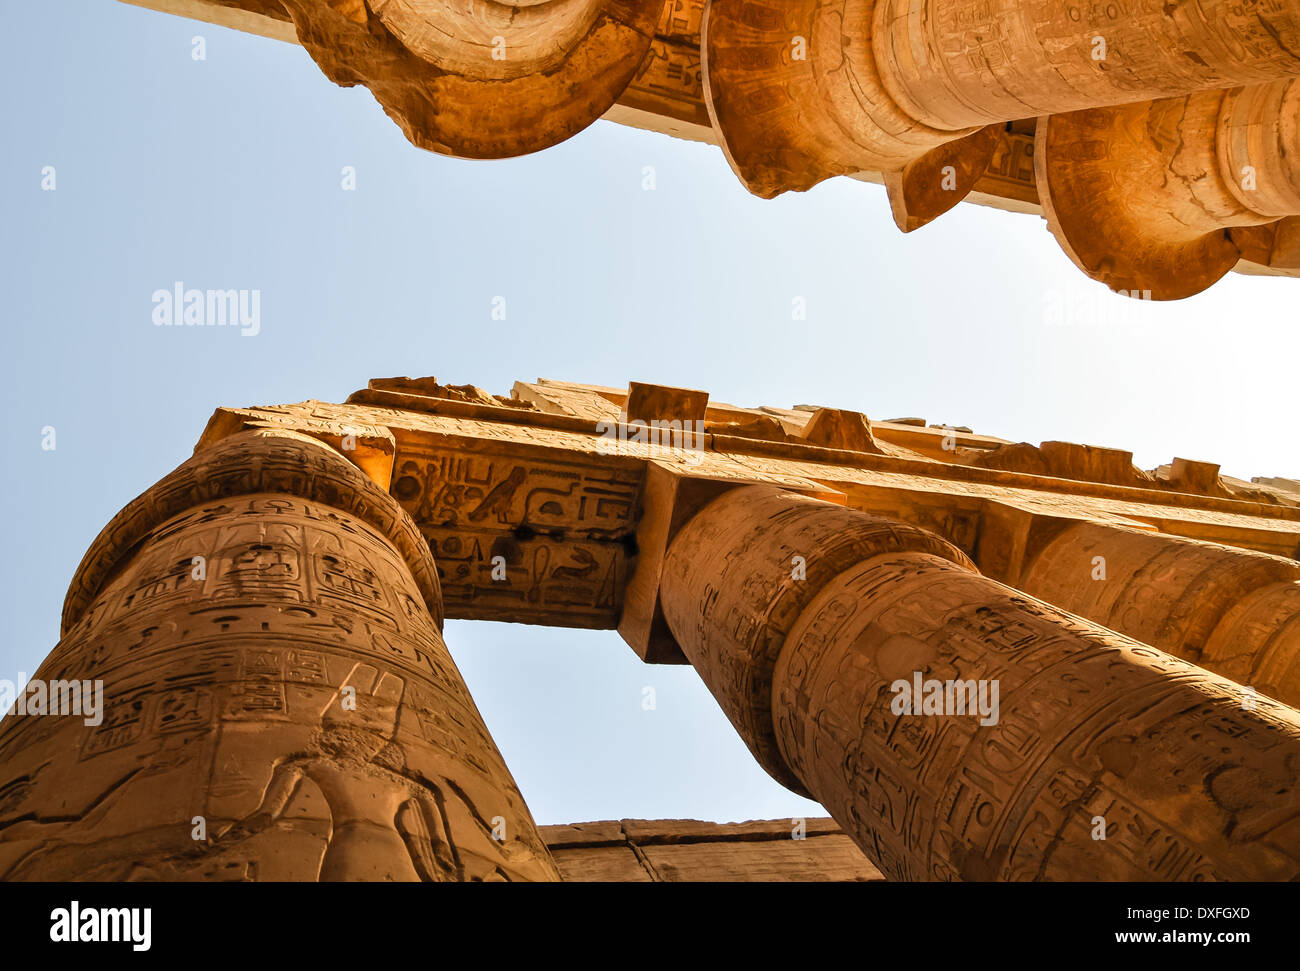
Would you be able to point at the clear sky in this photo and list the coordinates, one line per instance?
(226, 174)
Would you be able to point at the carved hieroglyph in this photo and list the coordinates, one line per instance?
(1234, 612)
(473, 507)
(1186, 776)
(266, 625)
(279, 703)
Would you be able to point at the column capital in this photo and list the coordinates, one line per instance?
(249, 463)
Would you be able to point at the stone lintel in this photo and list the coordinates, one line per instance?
(581, 506)
(686, 850)
(249, 21)
(369, 447)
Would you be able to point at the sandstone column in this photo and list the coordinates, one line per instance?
(278, 700)
(481, 80)
(1142, 196)
(1235, 612)
(803, 618)
(955, 63)
(802, 90)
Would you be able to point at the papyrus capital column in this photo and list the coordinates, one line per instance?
(1103, 757)
(278, 700)
(1144, 196)
(486, 79)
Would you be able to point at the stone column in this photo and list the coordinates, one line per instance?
(807, 621)
(1235, 612)
(278, 702)
(481, 80)
(802, 90)
(955, 63)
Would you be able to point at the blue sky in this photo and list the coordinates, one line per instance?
(226, 173)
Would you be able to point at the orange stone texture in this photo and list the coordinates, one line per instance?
(267, 622)
(1089, 724)
(1159, 141)
(987, 660)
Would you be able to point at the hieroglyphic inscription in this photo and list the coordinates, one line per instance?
(1090, 726)
(670, 79)
(522, 539)
(1232, 611)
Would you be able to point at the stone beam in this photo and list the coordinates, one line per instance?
(579, 504)
(686, 850)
